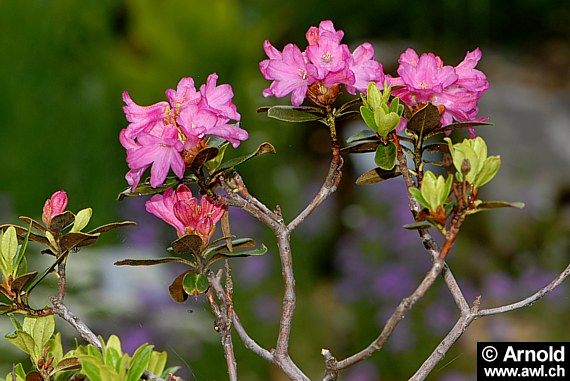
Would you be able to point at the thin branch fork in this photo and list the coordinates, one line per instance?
(467, 318)
(334, 366)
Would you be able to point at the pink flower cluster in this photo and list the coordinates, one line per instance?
(426, 79)
(53, 206)
(158, 135)
(325, 61)
(181, 210)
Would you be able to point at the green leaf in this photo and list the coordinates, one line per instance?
(368, 117)
(19, 269)
(488, 205)
(362, 135)
(8, 251)
(362, 147)
(418, 225)
(424, 121)
(377, 175)
(152, 262)
(157, 362)
(114, 225)
(295, 114)
(189, 243)
(261, 250)
(195, 284)
(90, 366)
(222, 247)
(214, 163)
(23, 341)
(385, 121)
(81, 220)
(144, 188)
(139, 362)
(489, 169)
(261, 150)
(386, 156)
(41, 329)
(456, 125)
(417, 194)
(113, 358)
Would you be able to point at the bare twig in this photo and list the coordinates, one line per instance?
(329, 186)
(467, 318)
(215, 283)
(334, 366)
(84, 331)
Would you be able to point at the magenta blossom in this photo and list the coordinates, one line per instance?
(158, 136)
(53, 206)
(181, 210)
(325, 62)
(458, 89)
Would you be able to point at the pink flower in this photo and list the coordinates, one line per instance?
(325, 61)
(211, 115)
(181, 210)
(159, 149)
(53, 206)
(157, 135)
(325, 51)
(365, 68)
(288, 71)
(458, 89)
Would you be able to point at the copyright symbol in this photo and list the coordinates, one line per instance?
(489, 353)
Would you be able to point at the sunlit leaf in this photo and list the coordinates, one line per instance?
(377, 175)
(81, 220)
(23, 341)
(139, 362)
(214, 163)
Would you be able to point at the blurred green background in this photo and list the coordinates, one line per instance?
(64, 64)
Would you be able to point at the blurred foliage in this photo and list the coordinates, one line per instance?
(64, 64)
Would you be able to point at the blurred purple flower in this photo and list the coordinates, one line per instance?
(365, 371)
(266, 308)
(253, 270)
(393, 281)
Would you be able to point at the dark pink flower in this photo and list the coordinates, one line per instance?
(181, 210)
(53, 206)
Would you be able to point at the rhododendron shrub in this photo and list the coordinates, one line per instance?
(194, 188)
